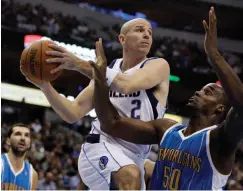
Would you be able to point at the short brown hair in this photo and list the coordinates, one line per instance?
(10, 131)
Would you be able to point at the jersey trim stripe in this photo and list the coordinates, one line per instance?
(152, 58)
(154, 102)
(112, 64)
(218, 179)
(111, 155)
(31, 176)
(11, 167)
(94, 166)
(183, 137)
(167, 131)
(210, 157)
(197, 156)
(2, 161)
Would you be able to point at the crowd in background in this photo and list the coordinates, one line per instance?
(54, 153)
(37, 19)
(56, 147)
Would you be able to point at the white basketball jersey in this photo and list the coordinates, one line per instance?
(139, 105)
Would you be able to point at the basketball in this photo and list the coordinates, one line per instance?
(33, 62)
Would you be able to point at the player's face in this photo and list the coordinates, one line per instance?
(19, 141)
(207, 99)
(139, 37)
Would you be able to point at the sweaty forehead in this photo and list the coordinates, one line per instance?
(135, 23)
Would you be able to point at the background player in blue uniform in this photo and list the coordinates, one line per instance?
(17, 173)
(196, 156)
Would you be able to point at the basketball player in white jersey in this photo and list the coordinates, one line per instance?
(16, 172)
(139, 89)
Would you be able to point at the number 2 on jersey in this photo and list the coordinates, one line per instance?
(171, 179)
(137, 106)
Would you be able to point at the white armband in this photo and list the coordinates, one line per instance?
(110, 75)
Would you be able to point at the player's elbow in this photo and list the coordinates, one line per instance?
(70, 120)
(73, 115)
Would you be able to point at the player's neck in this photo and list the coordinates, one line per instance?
(198, 123)
(16, 161)
(130, 60)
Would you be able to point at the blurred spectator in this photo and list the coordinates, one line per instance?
(178, 52)
(47, 182)
(36, 126)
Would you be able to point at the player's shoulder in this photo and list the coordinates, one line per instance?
(35, 174)
(157, 60)
(159, 63)
(114, 61)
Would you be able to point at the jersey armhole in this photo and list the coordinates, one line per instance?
(210, 157)
(112, 63)
(2, 168)
(31, 176)
(148, 59)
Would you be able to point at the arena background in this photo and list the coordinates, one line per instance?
(178, 37)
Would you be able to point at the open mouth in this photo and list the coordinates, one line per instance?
(21, 144)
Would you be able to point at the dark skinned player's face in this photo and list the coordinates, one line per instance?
(207, 100)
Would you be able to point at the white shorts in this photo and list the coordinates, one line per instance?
(97, 161)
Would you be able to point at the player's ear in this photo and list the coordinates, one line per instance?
(121, 38)
(8, 141)
(220, 108)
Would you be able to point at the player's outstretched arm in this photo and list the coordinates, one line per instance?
(231, 83)
(112, 123)
(226, 138)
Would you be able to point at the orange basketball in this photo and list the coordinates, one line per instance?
(33, 62)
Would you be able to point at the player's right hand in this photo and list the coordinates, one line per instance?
(67, 59)
(210, 41)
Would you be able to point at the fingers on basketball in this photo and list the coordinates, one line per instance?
(57, 48)
(54, 53)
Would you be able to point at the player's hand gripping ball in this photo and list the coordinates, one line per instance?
(33, 63)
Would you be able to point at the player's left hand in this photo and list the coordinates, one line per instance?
(210, 41)
(99, 68)
(67, 59)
